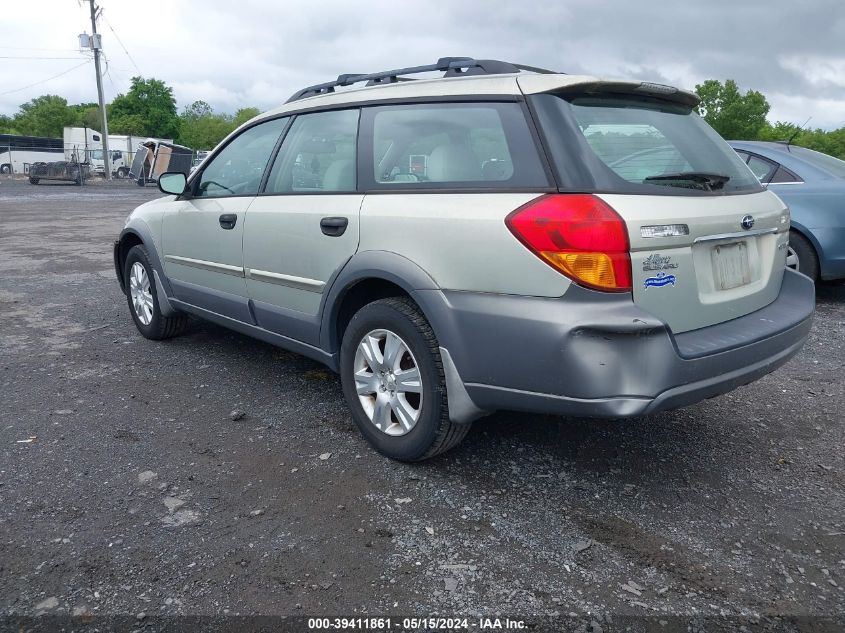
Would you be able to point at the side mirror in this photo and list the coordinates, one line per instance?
(172, 182)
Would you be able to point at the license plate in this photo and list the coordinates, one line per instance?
(730, 265)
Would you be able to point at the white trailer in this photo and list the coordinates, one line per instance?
(80, 142)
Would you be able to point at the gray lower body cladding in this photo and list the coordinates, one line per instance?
(599, 355)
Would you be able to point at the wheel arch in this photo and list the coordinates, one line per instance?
(132, 235)
(807, 234)
(367, 277)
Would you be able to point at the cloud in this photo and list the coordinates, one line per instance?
(258, 52)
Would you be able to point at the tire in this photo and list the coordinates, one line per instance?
(801, 256)
(5, 168)
(432, 432)
(34, 181)
(158, 326)
(122, 172)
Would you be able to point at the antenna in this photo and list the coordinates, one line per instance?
(795, 133)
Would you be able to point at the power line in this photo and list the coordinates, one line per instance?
(29, 58)
(108, 71)
(117, 37)
(33, 48)
(43, 81)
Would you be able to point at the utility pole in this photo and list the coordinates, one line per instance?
(96, 46)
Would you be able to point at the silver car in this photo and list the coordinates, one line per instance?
(496, 237)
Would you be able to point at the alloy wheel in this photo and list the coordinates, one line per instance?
(139, 290)
(388, 382)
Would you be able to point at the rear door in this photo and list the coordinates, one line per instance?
(708, 243)
(304, 226)
(203, 232)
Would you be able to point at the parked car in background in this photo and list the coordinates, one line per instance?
(812, 185)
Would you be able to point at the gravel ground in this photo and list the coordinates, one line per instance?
(127, 488)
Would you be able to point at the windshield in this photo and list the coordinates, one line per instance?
(830, 164)
(630, 144)
(97, 154)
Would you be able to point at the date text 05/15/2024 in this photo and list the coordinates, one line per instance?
(374, 624)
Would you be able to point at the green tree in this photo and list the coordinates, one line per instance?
(780, 131)
(201, 128)
(132, 124)
(46, 115)
(732, 114)
(826, 141)
(147, 109)
(245, 114)
(87, 115)
(5, 124)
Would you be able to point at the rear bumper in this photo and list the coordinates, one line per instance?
(599, 355)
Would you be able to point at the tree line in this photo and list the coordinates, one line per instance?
(744, 117)
(149, 109)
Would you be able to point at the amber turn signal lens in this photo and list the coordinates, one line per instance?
(595, 269)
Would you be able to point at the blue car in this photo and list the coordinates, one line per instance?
(812, 185)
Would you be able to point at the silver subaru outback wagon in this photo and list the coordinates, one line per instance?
(496, 237)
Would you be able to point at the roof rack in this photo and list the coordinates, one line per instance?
(451, 66)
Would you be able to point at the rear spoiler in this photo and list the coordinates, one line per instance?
(562, 84)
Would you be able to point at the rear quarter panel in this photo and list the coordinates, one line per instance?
(460, 240)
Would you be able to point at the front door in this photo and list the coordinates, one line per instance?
(304, 227)
(203, 231)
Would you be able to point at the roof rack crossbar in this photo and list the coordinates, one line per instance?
(450, 66)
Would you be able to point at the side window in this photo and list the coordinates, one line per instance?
(469, 145)
(782, 174)
(743, 155)
(317, 155)
(762, 168)
(238, 168)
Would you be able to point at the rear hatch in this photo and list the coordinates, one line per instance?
(707, 242)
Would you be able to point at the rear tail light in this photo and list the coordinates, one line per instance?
(579, 235)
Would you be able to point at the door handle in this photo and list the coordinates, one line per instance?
(334, 227)
(228, 220)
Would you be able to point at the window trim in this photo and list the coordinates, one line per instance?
(366, 180)
(275, 154)
(750, 154)
(364, 106)
(195, 178)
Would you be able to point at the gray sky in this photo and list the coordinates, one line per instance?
(257, 52)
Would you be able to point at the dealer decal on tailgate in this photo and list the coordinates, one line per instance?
(659, 280)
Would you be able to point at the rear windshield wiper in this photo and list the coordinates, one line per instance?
(700, 179)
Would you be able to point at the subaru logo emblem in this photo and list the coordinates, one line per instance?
(747, 222)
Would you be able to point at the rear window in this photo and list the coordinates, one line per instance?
(625, 144)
